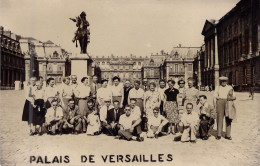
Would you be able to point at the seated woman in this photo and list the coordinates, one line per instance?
(155, 124)
(94, 125)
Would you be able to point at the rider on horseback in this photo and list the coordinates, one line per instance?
(82, 24)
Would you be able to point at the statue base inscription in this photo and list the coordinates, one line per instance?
(81, 65)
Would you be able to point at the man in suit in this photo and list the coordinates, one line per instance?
(145, 85)
(113, 115)
(207, 114)
(94, 87)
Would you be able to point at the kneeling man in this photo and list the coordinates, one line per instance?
(53, 118)
(113, 116)
(129, 125)
(207, 114)
(189, 121)
(155, 124)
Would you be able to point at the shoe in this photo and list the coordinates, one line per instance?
(205, 138)
(140, 139)
(228, 138)
(218, 137)
(156, 136)
(193, 141)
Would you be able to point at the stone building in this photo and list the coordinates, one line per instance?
(234, 42)
(128, 67)
(51, 59)
(178, 65)
(12, 60)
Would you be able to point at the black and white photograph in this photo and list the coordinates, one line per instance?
(130, 82)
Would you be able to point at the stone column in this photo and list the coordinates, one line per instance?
(199, 70)
(167, 72)
(216, 67)
(27, 67)
(212, 53)
(258, 47)
(209, 54)
(4, 81)
(8, 78)
(63, 70)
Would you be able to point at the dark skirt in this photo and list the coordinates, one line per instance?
(27, 111)
(39, 112)
(35, 116)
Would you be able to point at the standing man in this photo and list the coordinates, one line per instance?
(161, 90)
(145, 85)
(189, 122)
(181, 89)
(94, 87)
(207, 114)
(74, 86)
(130, 128)
(220, 101)
(127, 88)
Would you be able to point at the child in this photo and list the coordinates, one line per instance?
(230, 109)
(94, 124)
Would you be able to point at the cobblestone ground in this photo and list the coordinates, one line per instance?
(17, 146)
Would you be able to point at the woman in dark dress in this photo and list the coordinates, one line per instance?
(39, 111)
(171, 106)
(29, 103)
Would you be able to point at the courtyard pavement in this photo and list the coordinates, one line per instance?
(17, 146)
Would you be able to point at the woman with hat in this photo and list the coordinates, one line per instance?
(221, 97)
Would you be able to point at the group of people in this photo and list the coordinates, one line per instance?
(124, 110)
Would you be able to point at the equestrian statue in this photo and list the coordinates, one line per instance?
(82, 34)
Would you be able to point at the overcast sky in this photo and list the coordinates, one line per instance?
(121, 27)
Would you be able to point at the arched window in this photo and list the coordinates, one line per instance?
(55, 54)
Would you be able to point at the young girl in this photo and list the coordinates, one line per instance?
(230, 109)
(94, 124)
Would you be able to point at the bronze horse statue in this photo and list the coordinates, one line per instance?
(82, 34)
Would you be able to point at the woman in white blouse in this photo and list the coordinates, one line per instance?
(29, 101)
(51, 92)
(104, 93)
(39, 111)
(66, 92)
(117, 91)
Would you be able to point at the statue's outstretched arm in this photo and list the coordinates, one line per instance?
(74, 20)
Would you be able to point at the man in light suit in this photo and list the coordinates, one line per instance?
(207, 114)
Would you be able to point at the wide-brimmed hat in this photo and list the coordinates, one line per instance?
(223, 78)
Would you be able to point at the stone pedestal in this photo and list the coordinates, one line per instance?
(81, 65)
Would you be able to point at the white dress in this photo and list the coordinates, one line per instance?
(94, 124)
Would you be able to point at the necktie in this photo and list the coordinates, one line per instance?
(115, 112)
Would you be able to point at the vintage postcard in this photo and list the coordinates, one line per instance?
(130, 82)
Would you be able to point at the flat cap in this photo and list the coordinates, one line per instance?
(223, 78)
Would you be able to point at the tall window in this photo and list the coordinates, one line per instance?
(244, 75)
(190, 67)
(176, 68)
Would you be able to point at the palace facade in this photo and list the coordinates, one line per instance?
(232, 47)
